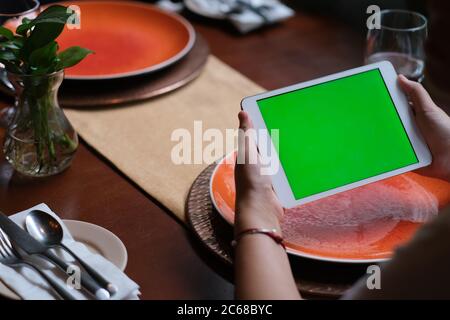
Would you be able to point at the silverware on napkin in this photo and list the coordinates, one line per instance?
(47, 230)
(33, 247)
(11, 257)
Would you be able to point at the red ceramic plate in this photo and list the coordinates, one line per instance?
(129, 38)
(362, 225)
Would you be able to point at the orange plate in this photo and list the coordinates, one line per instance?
(361, 225)
(129, 38)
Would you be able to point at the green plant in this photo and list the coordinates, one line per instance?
(31, 53)
(33, 49)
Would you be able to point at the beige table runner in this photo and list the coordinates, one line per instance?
(137, 138)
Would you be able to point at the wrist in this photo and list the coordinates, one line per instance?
(271, 233)
(260, 222)
(255, 216)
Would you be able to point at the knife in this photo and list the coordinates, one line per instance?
(33, 247)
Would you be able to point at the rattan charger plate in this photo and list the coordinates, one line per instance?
(314, 278)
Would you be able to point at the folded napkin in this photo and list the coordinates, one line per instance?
(169, 5)
(252, 14)
(30, 286)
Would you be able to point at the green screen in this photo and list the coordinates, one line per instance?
(336, 133)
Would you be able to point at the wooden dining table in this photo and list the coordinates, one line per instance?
(164, 256)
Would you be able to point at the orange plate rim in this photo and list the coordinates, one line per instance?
(289, 248)
(156, 67)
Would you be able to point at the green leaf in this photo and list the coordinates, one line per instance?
(71, 56)
(11, 45)
(19, 41)
(45, 28)
(23, 28)
(8, 34)
(7, 55)
(14, 45)
(10, 61)
(33, 50)
(41, 35)
(44, 58)
(54, 14)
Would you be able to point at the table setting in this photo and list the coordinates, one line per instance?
(103, 245)
(123, 100)
(18, 281)
(144, 78)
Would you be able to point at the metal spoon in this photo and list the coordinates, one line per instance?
(46, 229)
(12, 258)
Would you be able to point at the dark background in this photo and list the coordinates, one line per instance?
(350, 11)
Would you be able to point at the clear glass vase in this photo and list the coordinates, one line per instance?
(40, 141)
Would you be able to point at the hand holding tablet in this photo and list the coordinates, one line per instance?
(434, 123)
(337, 133)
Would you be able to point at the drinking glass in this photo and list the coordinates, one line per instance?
(400, 40)
(11, 14)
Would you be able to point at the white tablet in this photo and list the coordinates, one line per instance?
(336, 133)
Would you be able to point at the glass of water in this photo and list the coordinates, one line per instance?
(399, 39)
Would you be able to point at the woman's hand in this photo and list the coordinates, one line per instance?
(262, 269)
(256, 203)
(434, 125)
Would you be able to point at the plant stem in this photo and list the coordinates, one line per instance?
(47, 134)
(36, 119)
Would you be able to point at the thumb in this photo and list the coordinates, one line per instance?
(244, 121)
(247, 151)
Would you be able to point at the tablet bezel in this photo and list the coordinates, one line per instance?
(279, 179)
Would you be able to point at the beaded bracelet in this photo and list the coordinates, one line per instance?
(272, 233)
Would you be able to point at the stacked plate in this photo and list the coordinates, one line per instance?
(128, 38)
(140, 51)
(363, 225)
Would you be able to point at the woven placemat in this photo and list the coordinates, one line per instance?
(207, 223)
(313, 278)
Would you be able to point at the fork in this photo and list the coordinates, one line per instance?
(11, 257)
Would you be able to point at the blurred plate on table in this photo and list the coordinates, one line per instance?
(363, 225)
(98, 239)
(129, 39)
